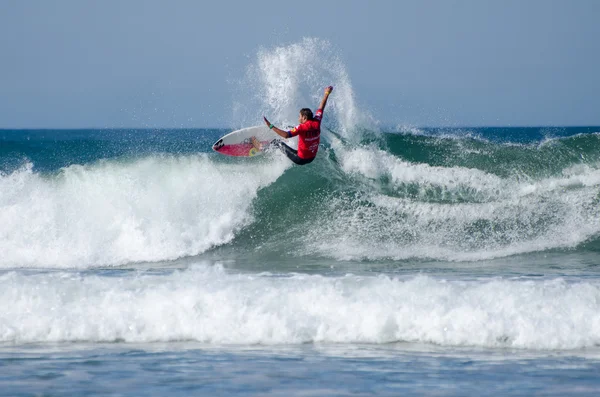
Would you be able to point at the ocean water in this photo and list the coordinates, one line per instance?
(416, 261)
(422, 262)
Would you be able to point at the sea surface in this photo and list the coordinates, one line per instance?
(403, 261)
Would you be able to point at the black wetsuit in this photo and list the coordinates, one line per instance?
(292, 154)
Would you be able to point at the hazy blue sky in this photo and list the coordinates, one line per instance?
(130, 63)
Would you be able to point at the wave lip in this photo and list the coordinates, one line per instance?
(206, 304)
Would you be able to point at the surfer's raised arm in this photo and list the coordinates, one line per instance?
(325, 96)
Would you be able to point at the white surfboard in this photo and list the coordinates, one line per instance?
(246, 142)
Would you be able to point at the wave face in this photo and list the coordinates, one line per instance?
(399, 197)
(461, 198)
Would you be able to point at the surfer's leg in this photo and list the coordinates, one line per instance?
(291, 154)
(288, 151)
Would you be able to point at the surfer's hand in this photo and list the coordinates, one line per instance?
(329, 89)
(266, 121)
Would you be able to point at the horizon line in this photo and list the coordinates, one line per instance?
(396, 127)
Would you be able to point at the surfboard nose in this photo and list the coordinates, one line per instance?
(218, 145)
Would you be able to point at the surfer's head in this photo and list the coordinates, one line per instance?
(305, 115)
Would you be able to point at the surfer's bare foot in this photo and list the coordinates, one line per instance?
(256, 143)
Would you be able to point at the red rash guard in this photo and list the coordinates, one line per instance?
(309, 135)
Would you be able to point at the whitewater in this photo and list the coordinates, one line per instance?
(400, 255)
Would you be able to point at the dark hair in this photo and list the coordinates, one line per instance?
(306, 112)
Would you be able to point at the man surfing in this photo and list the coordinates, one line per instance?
(308, 131)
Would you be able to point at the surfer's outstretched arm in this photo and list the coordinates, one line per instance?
(278, 131)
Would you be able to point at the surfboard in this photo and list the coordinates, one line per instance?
(247, 142)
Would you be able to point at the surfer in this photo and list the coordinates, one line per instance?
(308, 131)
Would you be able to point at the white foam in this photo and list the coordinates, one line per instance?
(208, 305)
(452, 213)
(374, 164)
(109, 213)
(409, 129)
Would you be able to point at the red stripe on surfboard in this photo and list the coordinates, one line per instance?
(239, 149)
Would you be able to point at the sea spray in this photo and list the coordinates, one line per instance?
(282, 80)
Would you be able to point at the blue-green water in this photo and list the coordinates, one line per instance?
(422, 261)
